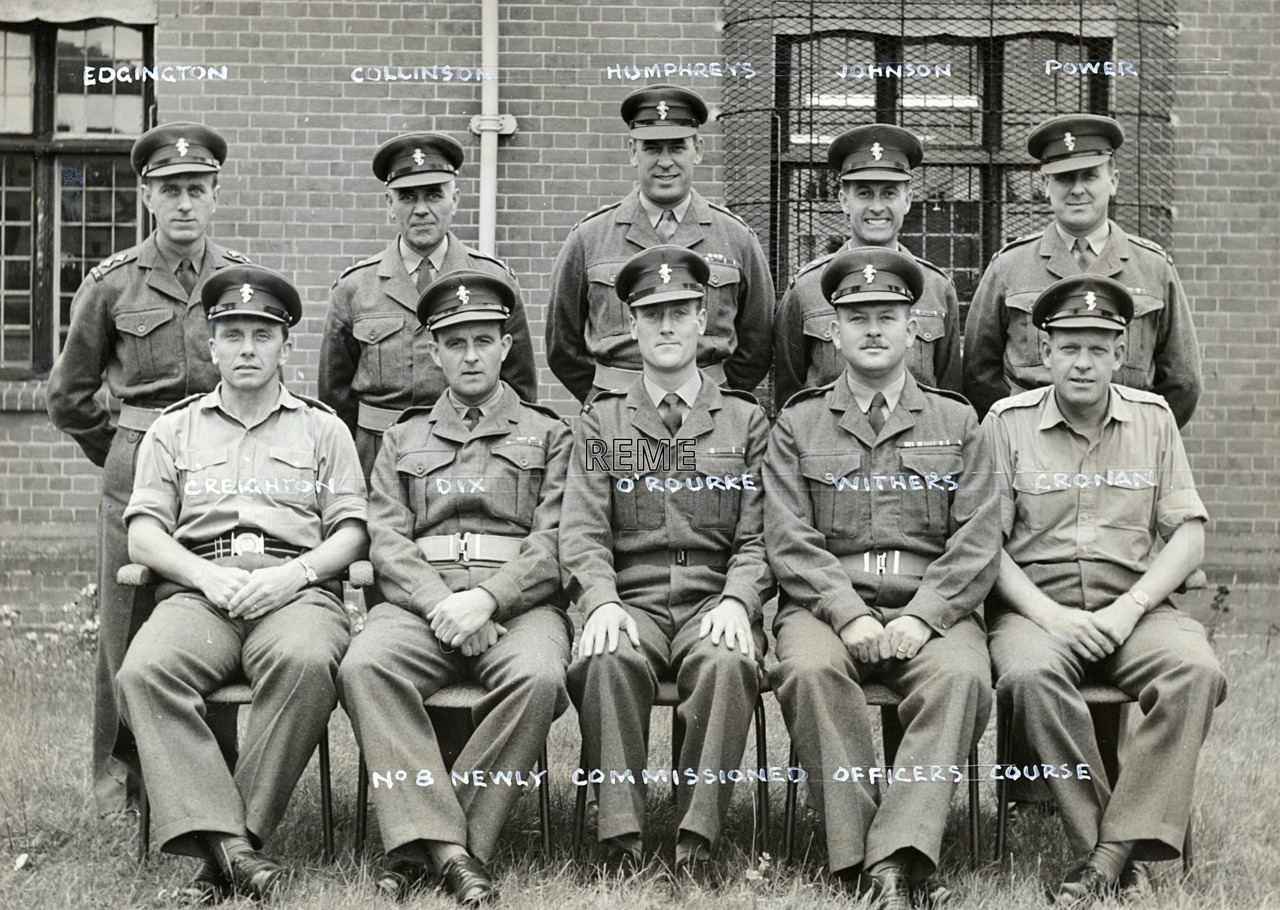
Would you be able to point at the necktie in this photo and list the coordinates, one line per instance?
(667, 225)
(426, 275)
(671, 409)
(471, 418)
(187, 276)
(875, 413)
(1083, 253)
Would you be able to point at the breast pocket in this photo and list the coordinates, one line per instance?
(518, 471)
(1130, 504)
(723, 287)
(384, 351)
(635, 508)
(1023, 345)
(423, 473)
(1041, 505)
(931, 475)
(825, 363)
(931, 326)
(608, 313)
(150, 342)
(1141, 336)
(203, 471)
(295, 469)
(837, 491)
(718, 503)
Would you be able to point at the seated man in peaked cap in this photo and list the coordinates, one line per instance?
(880, 523)
(1092, 474)
(247, 499)
(465, 506)
(668, 567)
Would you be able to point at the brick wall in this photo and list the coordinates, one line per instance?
(1226, 225)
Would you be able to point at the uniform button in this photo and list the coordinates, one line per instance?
(372, 333)
(524, 462)
(142, 326)
(612, 277)
(420, 470)
(715, 280)
(928, 336)
(827, 334)
(246, 458)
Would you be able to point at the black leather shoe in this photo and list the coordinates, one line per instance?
(399, 878)
(1084, 885)
(1135, 880)
(466, 878)
(889, 889)
(248, 871)
(623, 858)
(208, 887)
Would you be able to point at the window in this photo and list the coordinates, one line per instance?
(68, 194)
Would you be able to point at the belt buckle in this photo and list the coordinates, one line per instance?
(248, 542)
(882, 563)
(458, 545)
(681, 557)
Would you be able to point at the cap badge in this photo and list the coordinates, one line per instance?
(662, 110)
(1091, 300)
(246, 291)
(418, 157)
(665, 272)
(1070, 141)
(463, 294)
(869, 273)
(182, 146)
(877, 151)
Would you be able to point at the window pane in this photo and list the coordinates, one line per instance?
(97, 217)
(944, 111)
(15, 261)
(829, 90)
(944, 224)
(17, 83)
(108, 106)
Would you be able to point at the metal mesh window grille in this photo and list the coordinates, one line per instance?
(970, 80)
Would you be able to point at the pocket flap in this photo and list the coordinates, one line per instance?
(142, 322)
(940, 461)
(373, 329)
(826, 468)
(298, 458)
(524, 457)
(199, 459)
(424, 461)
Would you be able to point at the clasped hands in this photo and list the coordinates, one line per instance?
(899, 639)
(252, 593)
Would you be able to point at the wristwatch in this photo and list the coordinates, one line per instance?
(1141, 598)
(312, 577)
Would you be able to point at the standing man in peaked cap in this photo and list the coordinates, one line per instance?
(465, 508)
(248, 499)
(874, 163)
(881, 525)
(1092, 474)
(1002, 354)
(668, 567)
(589, 342)
(137, 326)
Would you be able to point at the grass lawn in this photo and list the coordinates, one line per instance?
(57, 854)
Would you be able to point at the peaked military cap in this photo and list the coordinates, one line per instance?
(465, 296)
(178, 148)
(872, 274)
(876, 151)
(1074, 142)
(418, 159)
(251, 290)
(662, 273)
(1083, 302)
(664, 112)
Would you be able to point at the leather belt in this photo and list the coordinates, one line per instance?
(133, 417)
(712, 559)
(376, 420)
(469, 547)
(241, 542)
(887, 562)
(621, 378)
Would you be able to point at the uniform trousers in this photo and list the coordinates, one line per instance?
(1167, 665)
(188, 649)
(368, 445)
(395, 664)
(121, 611)
(946, 700)
(614, 695)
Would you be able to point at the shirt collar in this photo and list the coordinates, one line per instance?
(688, 392)
(863, 394)
(1097, 238)
(284, 399)
(412, 260)
(654, 211)
(485, 406)
(1052, 416)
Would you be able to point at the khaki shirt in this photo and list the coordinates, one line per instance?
(293, 476)
(505, 477)
(1082, 518)
(834, 488)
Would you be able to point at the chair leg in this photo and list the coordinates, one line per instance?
(1186, 850)
(975, 834)
(580, 808)
(544, 804)
(362, 802)
(326, 796)
(144, 822)
(762, 786)
(1004, 735)
(891, 732)
(789, 808)
(1106, 728)
(677, 744)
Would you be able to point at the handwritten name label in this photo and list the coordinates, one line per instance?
(254, 485)
(668, 69)
(863, 71)
(446, 485)
(104, 75)
(1061, 480)
(1090, 68)
(930, 481)
(440, 73)
(724, 483)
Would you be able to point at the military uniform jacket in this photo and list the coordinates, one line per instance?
(434, 476)
(374, 350)
(134, 325)
(832, 488)
(611, 509)
(1002, 347)
(805, 358)
(586, 322)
